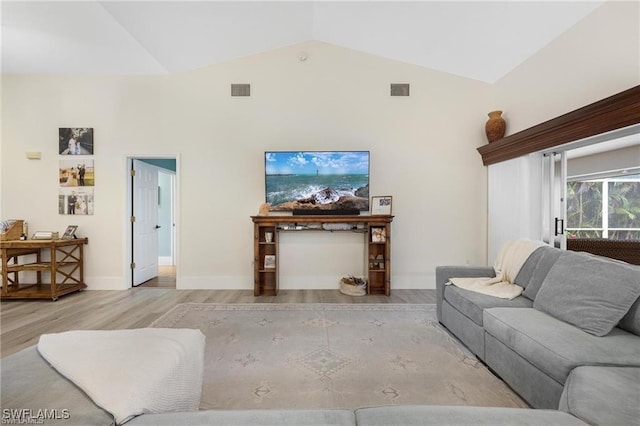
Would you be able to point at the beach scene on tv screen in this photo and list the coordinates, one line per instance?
(327, 180)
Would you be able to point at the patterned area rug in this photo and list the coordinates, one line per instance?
(334, 356)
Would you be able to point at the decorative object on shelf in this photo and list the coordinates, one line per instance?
(264, 209)
(381, 205)
(70, 232)
(376, 262)
(268, 237)
(45, 235)
(353, 286)
(378, 235)
(337, 226)
(11, 230)
(269, 261)
(495, 126)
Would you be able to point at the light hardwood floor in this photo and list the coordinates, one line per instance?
(166, 278)
(23, 321)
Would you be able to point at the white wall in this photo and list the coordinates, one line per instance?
(598, 57)
(422, 152)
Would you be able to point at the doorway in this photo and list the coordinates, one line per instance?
(151, 239)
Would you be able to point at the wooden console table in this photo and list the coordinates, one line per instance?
(376, 229)
(64, 267)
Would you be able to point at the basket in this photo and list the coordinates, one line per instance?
(353, 286)
(13, 232)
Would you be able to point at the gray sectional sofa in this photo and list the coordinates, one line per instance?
(571, 340)
(30, 385)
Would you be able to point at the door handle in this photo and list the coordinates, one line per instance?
(158, 226)
(561, 222)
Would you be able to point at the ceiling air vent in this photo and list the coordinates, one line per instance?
(240, 90)
(399, 89)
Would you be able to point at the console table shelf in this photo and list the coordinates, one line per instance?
(377, 236)
(64, 267)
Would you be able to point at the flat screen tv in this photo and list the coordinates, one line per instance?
(328, 181)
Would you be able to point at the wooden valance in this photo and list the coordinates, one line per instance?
(612, 113)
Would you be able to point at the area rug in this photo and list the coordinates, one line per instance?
(334, 356)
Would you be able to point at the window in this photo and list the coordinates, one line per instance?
(604, 208)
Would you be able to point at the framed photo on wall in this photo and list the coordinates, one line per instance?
(75, 140)
(381, 205)
(76, 173)
(77, 200)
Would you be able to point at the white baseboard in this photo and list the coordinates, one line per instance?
(105, 283)
(214, 283)
(165, 260)
(296, 283)
(414, 282)
(405, 282)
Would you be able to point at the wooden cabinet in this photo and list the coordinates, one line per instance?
(59, 262)
(265, 262)
(379, 258)
(377, 238)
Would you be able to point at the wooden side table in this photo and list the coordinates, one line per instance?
(63, 267)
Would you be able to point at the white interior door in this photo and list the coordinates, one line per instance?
(145, 224)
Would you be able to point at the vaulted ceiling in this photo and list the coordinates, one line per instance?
(481, 40)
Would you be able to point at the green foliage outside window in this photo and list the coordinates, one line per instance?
(624, 209)
(585, 209)
(584, 205)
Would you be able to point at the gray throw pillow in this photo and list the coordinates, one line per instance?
(589, 291)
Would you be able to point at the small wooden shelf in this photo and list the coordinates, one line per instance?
(266, 280)
(64, 267)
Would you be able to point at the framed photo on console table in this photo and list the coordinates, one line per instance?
(381, 205)
(70, 232)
